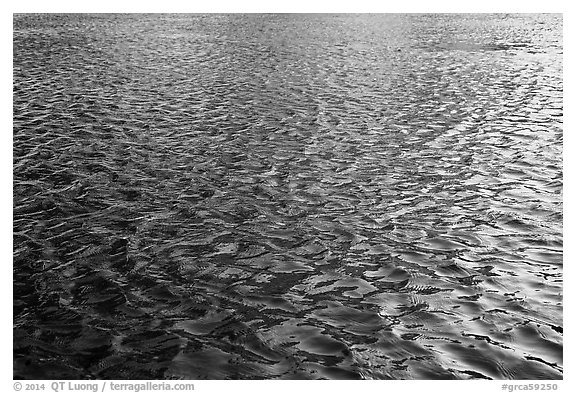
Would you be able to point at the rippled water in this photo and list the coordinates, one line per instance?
(288, 196)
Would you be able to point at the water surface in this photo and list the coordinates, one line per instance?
(287, 196)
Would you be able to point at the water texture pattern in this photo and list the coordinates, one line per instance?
(288, 196)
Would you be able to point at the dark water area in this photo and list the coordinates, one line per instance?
(287, 196)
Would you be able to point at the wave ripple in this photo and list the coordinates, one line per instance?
(288, 196)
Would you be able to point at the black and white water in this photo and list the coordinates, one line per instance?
(287, 196)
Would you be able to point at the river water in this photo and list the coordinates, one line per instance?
(287, 196)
